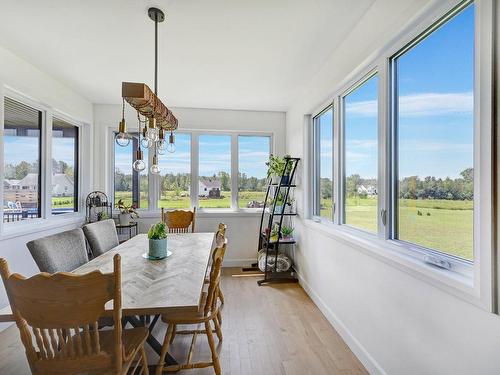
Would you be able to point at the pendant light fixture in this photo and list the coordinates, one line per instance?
(139, 165)
(122, 138)
(158, 117)
(171, 143)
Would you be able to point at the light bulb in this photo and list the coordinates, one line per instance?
(155, 169)
(161, 151)
(152, 134)
(139, 165)
(122, 139)
(146, 143)
(171, 147)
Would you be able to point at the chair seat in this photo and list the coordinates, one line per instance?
(132, 339)
(187, 316)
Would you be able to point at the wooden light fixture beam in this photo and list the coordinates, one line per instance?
(144, 100)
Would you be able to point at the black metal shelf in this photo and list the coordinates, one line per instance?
(272, 248)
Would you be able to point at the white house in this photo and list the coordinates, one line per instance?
(369, 190)
(209, 187)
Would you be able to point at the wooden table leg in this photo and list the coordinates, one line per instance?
(151, 340)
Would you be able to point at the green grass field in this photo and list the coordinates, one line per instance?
(443, 225)
(62, 202)
(170, 200)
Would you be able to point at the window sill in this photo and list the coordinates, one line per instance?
(22, 228)
(390, 253)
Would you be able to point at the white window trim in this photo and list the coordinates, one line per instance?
(474, 282)
(153, 210)
(47, 219)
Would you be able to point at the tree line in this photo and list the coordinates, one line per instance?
(21, 170)
(413, 187)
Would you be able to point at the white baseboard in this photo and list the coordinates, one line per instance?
(238, 262)
(359, 350)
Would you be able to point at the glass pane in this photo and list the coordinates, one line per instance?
(214, 183)
(361, 160)
(130, 186)
(175, 174)
(253, 153)
(64, 168)
(324, 156)
(21, 185)
(435, 82)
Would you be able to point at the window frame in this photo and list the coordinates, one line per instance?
(372, 72)
(77, 184)
(47, 219)
(195, 135)
(316, 173)
(472, 282)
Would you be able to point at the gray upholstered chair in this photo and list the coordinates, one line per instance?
(59, 252)
(101, 236)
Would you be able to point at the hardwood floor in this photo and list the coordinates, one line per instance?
(267, 330)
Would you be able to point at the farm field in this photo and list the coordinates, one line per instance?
(445, 225)
(169, 199)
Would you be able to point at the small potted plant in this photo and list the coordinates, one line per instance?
(286, 170)
(274, 233)
(102, 215)
(286, 232)
(126, 212)
(276, 166)
(279, 204)
(157, 236)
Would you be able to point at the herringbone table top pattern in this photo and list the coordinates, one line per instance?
(152, 287)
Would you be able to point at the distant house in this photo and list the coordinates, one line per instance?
(62, 185)
(369, 190)
(26, 189)
(209, 187)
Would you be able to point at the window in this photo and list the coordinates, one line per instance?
(175, 175)
(323, 160)
(64, 167)
(214, 171)
(22, 161)
(130, 186)
(434, 127)
(253, 153)
(360, 156)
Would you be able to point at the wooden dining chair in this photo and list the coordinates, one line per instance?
(206, 313)
(57, 316)
(179, 221)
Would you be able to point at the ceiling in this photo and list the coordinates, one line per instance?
(234, 54)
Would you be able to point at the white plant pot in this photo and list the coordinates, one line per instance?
(124, 219)
(275, 178)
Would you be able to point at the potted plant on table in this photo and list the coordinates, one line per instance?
(126, 212)
(157, 236)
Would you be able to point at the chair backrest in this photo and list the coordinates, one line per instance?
(57, 316)
(59, 252)
(215, 275)
(219, 238)
(101, 236)
(179, 221)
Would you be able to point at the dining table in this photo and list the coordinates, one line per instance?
(151, 288)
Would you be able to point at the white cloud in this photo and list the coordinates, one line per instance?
(425, 146)
(416, 105)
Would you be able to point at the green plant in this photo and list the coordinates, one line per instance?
(103, 215)
(126, 209)
(276, 166)
(274, 232)
(286, 231)
(157, 231)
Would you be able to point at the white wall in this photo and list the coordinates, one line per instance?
(243, 227)
(394, 322)
(19, 75)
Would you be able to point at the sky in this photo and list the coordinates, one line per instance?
(214, 153)
(435, 129)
